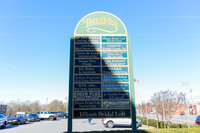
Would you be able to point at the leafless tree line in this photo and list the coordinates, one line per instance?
(33, 107)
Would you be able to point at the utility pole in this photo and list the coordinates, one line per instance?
(185, 103)
(138, 88)
(186, 107)
(190, 89)
(140, 97)
(138, 81)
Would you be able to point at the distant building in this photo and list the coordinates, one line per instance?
(198, 109)
(190, 110)
(3, 109)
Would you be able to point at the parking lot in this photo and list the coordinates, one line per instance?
(59, 126)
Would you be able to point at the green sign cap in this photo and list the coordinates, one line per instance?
(100, 23)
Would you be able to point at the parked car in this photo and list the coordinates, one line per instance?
(33, 117)
(3, 121)
(17, 119)
(56, 113)
(62, 114)
(111, 122)
(46, 115)
(182, 113)
(23, 113)
(3, 114)
(197, 121)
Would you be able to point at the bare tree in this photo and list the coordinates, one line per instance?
(35, 106)
(56, 105)
(66, 107)
(171, 100)
(141, 109)
(25, 106)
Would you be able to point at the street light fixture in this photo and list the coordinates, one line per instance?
(18, 105)
(46, 104)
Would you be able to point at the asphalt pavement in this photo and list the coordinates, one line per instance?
(59, 126)
(79, 125)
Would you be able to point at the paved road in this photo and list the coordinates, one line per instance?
(59, 126)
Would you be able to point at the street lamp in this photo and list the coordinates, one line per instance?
(46, 104)
(66, 104)
(18, 105)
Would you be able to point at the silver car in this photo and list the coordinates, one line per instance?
(3, 121)
(111, 122)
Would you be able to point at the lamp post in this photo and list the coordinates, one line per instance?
(46, 104)
(66, 104)
(18, 105)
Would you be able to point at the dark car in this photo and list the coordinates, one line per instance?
(17, 119)
(56, 113)
(33, 117)
(62, 114)
(197, 121)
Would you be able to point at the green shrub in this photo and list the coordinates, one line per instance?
(153, 123)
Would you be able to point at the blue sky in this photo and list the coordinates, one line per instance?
(35, 36)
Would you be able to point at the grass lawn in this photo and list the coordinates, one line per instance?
(174, 130)
(183, 130)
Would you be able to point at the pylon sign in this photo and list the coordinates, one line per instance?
(101, 68)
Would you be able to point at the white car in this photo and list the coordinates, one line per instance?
(3, 121)
(46, 115)
(111, 122)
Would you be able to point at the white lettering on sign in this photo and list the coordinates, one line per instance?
(93, 23)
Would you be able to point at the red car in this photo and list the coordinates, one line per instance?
(182, 113)
(198, 120)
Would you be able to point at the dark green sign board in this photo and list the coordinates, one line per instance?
(101, 68)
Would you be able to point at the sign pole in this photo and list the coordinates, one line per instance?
(70, 86)
(134, 128)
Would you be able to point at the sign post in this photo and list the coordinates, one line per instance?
(101, 78)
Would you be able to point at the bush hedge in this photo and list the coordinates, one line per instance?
(152, 122)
